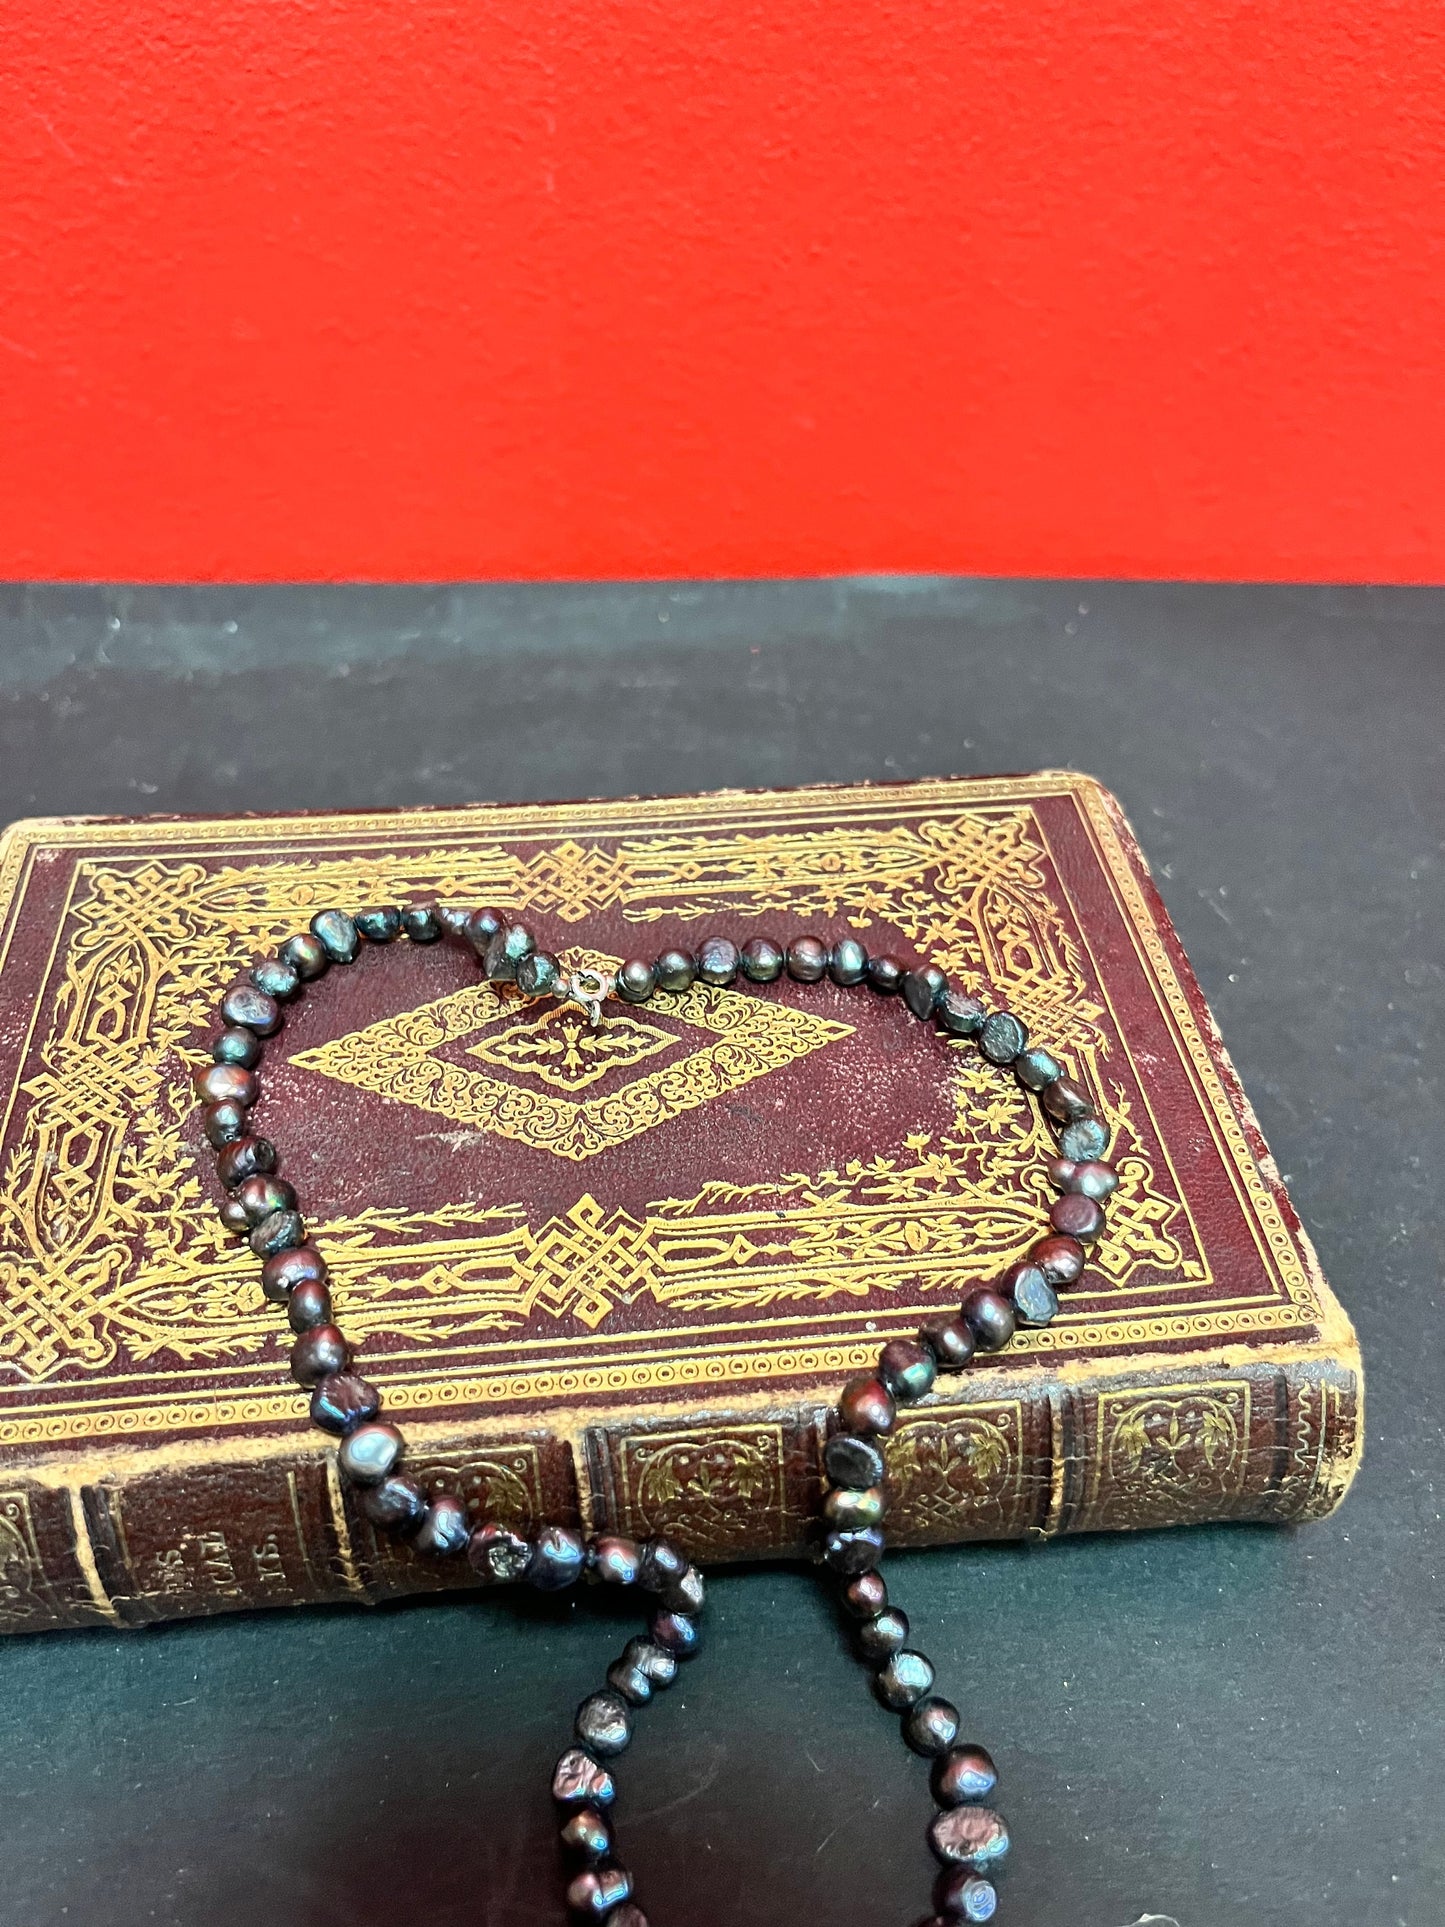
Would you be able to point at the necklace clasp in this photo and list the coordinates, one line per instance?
(588, 988)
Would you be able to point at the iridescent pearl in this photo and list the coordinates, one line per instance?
(337, 935)
(604, 1723)
(580, 1781)
(964, 1773)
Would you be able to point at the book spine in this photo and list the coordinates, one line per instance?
(1021, 1455)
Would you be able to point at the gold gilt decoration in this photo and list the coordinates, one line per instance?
(730, 1486)
(111, 1257)
(565, 1049)
(968, 1463)
(736, 1038)
(1174, 1452)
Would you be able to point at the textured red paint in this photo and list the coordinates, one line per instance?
(404, 288)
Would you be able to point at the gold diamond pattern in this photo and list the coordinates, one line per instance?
(734, 1038)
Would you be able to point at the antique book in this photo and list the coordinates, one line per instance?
(618, 1275)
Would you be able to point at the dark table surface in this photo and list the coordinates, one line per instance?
(1227, 1727)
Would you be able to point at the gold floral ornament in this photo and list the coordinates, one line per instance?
(566, 1050)
(546, 1055)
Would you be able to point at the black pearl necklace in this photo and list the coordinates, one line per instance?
(967, 1834)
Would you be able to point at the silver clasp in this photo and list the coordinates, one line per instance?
(588, 988)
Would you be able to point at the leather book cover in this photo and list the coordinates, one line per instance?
(618, 1275)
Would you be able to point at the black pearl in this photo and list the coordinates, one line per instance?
(990, 1317)
(616, 1561)
(636, 981)
(959, 1014)
(853, 1461)
(847, 1507)
(237, 1046)
(1002, 1038)
(1075, 1216)
(633, 1684)
(259, 1197)
(587, 1835)
(604, 1723)
(717, 960)
(951, 1342)
(505, 951)
(1030, 1293)
(295, 1266)
(228, 1084)
(865, 1406)
(629, 1914)
(851, 1552)
(244, 1004)
(371, 1454)
(903, 1680)
(233, 1217)
(965, 1896)
(279, 1232)
(922, 989)
(908, 1369)
(656, 1663)
(678, 1632)
(307, 956)
(1085, 1140)
(580, 1781)
(244, 1159)
(1091, 1179)
(453, 918)
(931, 1726)
(1064, 1100)
(539, 975)
(557, 1559)
(848, 962)
(661, 1565)
(675, 970)
(337, 935)
(965, 1773)
(398, 1504)
(885, 1634)
(344, 1401)
(1061, 1260)
(762, 961)
(308, 1306)
(885, 974)
(421, 923)
(276, 978)
(972, 1837)
(444, 1529)
(1035, 1067)
(381, 924)
(319, 1354)
(224, 1123)
(480, 926)
(685, 1594)
(865, 1595)
(596, 1894)
(499, 1555)
(807, 959)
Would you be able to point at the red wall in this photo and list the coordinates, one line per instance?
(411, 288)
